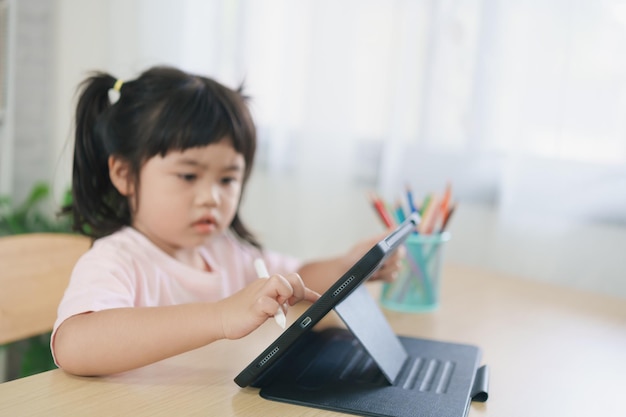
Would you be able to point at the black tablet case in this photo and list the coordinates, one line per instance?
(368, 370)
(341, 289)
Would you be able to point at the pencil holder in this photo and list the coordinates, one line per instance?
(417, 287)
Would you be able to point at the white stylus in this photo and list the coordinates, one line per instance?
(261, 271)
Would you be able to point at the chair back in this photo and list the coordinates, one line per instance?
(35, 269)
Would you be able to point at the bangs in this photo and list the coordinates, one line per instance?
(185, 121)
(198, 115)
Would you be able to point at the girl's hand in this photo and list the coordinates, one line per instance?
(390, 268)
(247, 309)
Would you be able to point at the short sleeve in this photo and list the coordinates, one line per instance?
(96, 284)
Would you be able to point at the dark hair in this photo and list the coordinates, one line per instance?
(163, 109)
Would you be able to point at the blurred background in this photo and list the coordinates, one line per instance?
(520, 105)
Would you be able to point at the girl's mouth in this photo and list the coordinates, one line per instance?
(205, 226)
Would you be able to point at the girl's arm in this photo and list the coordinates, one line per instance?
(320, 275)
(120, 339)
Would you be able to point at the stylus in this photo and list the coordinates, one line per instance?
(261, 271)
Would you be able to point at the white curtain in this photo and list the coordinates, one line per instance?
(520, 104)
(511, 101)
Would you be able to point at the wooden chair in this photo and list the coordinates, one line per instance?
(35, 268)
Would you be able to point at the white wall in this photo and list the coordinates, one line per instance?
(25, 156)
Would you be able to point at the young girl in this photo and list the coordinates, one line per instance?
(157, 181)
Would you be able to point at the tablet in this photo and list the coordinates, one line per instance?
(356, 275)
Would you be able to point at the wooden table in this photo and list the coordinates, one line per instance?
(552, 351)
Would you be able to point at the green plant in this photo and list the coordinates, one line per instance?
(31, 216)
(32, 355)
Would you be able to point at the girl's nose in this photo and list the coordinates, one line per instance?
(209, 196)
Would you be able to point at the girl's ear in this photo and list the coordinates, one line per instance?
(119, 172)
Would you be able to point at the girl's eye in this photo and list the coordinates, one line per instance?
(229, 180)
(187, 177)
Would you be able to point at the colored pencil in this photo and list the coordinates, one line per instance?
(400, 216)
(446, 219)
(445, 204)
(430, 214)
(410, 200)
(380, 208)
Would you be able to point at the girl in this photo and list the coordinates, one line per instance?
(157, 181)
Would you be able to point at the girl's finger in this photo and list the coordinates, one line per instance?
(278, 288)
(310, 295)
(297, 285)
(267, 305)
(300, 291)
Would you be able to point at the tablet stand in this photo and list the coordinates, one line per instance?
(368, 370)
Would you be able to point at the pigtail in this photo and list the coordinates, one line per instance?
(96, 205)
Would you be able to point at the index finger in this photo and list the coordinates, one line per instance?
(300, 291)
(310, 295)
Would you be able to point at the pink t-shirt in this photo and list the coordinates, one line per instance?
(126, 269)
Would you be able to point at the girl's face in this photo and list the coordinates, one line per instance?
(186, 197)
